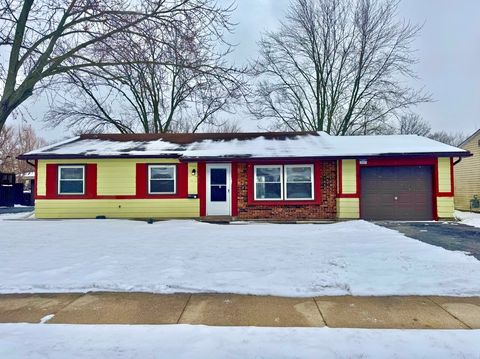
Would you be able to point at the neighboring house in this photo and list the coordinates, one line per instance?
(247, 176)
(467, 175)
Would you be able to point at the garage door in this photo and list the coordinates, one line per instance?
(397, 193)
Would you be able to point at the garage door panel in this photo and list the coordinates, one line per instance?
(398, 193)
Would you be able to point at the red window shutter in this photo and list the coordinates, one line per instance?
(91, 180)
(141, 180)
(52, 180)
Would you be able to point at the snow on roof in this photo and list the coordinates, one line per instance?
(244, 145)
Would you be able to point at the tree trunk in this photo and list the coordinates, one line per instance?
(5, 111)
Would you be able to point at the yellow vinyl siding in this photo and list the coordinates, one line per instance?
(116, 177)
(348, 208)
(132, 208)
(349, 176)
(192, 180)
(445, 207)
(467, 175)
(444, 180)
(41, 178)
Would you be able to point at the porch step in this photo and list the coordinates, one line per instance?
(217, 219)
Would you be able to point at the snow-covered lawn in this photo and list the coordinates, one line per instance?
(468, 218)
(355, 257)
(184, 341)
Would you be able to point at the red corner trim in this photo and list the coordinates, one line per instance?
(201, 189)
(357, 164)
(35, 182)
(234, 197)
(339, 177)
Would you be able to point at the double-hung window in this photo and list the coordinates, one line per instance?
(161, 179)
(284, 182)
(299, 182)
(268, 182)
(71, 180)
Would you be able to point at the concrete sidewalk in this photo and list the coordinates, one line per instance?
(406, 312)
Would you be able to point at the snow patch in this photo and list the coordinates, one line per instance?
(299, 260)
(468, 218)
(47, 318)
(186, 341)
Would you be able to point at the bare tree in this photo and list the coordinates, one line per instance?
(48, 38)
(413, 124)
(453, 139)
(181, 83)
(15, 141)
(336, 66)
(7, 145)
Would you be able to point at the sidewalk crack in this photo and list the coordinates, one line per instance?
(321, 314)
(451, 314)
(184, 308)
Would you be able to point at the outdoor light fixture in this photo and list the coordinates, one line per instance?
(194, 172)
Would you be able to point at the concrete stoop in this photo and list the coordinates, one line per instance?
(402, 312)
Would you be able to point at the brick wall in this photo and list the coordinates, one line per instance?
(325, 209)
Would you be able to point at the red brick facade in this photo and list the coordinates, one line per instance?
(325, 208)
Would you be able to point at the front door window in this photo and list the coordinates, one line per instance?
(218, 184)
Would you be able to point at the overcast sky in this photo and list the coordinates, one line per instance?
(448, 52)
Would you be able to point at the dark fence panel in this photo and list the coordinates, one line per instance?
(18, 197)
(6, 196)
(7, 182)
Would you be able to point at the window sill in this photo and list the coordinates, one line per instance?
(282, 202)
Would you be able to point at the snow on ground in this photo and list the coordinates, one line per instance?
(17, 215)
(184, 341)
(468, 218)
(355, 257)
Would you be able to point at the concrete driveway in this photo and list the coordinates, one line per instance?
(449, 235)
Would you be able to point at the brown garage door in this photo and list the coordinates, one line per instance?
(397, 193)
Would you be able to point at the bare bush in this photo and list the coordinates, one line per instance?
(15, 141)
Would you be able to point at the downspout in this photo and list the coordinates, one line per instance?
(457, 161)
(33, 190)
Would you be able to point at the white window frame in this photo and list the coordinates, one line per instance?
(311, 183)
(60, 179)
(255, 182)
(283, 182)
(174, 178)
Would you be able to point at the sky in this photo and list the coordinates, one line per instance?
(448, 50)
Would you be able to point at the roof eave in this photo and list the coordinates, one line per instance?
(246, 157)
(360, 156)
(66, 156)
